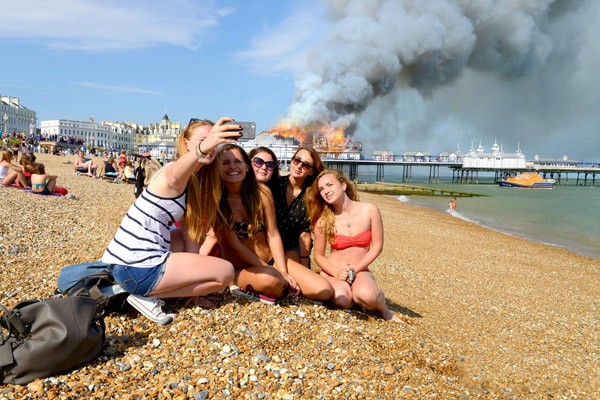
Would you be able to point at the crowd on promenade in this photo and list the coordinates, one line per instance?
(220, 218)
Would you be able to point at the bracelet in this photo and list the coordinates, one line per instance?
(200, 154)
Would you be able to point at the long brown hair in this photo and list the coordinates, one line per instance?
(250, 193)
(7, 156)
(318, 208)
(203, 190)
(318, 165)
(274, 181)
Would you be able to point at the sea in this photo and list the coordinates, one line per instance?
(566, 216)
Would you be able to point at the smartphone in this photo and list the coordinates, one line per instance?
(248, 129)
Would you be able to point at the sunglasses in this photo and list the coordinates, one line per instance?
(259, 162)
(306, 165)
(192, 120)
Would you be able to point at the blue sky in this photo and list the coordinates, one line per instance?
(396, 74)
(131, 61)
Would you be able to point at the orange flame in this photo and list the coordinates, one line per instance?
(323, 138)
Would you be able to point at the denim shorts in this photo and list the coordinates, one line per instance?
(139, 280)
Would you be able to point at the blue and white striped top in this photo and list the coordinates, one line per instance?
(144, 238)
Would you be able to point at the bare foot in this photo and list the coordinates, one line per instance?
(389, 316)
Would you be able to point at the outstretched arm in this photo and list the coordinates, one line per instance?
(201, 151)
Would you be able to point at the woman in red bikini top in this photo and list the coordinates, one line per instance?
(354, 231)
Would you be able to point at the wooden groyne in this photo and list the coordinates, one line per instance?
(411, 190)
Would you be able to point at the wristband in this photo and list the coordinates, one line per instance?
(200, 154)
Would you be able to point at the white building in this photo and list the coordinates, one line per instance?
(497, 159)
(122, 136)
(14, 117)
(90, 133)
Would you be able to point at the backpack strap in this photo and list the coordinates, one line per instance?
(12, 321)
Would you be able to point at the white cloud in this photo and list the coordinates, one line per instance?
(282, 49)
(89, 25)
(116, 88)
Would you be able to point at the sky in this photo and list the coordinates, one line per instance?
(399, 75)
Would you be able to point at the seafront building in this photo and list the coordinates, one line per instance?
(15, 117)
(91, 134)
(159, 139)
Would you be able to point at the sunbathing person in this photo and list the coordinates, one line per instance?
(27, 167)
(84, 165)
(41, 183)
(111, 169)
(354, 232)
(11, 173)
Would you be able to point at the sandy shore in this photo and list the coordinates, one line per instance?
(489, 315)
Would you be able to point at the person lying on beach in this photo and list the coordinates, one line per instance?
(354, 232)
(41, 183)
(247, 231)
(11, 173)
(84, 165)
(149, 259)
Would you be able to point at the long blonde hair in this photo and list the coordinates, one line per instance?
(203, 190)
(318, 208)
(251, 197)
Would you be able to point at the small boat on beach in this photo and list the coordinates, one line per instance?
(530, 180)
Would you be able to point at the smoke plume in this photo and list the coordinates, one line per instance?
(427, 75)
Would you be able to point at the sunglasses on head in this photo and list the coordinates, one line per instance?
(297, 161)
(192, 120)
(259, 162)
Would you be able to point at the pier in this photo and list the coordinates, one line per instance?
(585, 174)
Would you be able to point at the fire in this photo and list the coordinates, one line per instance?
(287, 130)
(325, 139)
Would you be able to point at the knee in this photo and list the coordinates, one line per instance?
(273, 283)
(226, 274)
(366, 295)
(323, 292)
(342, 299)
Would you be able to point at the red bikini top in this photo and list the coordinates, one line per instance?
(342, 242)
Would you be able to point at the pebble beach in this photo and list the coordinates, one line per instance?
(487, 315)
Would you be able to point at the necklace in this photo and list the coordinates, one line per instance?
(234, 203)
(348, 224)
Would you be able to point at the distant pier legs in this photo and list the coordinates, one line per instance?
(434, 174)
(407, 173)
(353, 172)
(379, 175)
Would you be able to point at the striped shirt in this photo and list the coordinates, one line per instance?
(144, 237)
